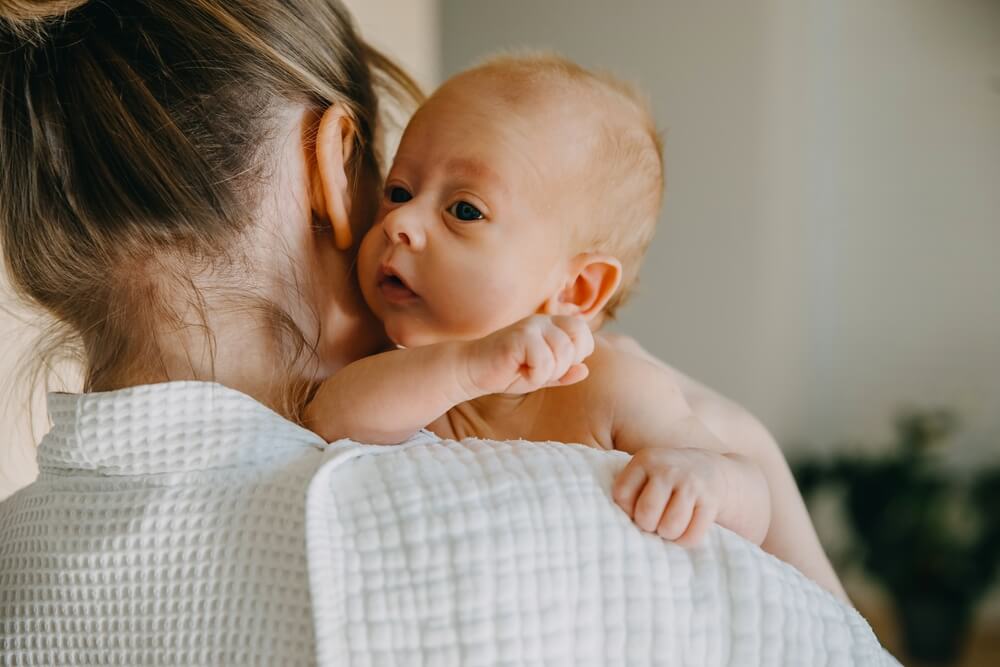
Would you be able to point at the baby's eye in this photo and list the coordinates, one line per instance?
(398, 195)
(465, 211)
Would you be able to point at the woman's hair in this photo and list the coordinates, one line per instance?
(134, 138)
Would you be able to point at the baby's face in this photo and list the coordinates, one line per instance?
(473, 230)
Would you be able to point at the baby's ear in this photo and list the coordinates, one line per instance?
(593, 281)
(334, 143)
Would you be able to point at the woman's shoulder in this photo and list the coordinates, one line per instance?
(161, 498)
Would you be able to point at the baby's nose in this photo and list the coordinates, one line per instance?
(403, 227)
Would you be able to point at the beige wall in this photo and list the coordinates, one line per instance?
(404, 29)
(408, 30)
(830, 245)
(22, 417)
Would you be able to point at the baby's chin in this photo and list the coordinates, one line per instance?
(404, 333)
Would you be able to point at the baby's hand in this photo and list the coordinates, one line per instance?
(676, 493)
(539, 351)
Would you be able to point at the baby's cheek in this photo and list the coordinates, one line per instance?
(487, 302)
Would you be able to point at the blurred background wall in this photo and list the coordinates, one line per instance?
(408, 30)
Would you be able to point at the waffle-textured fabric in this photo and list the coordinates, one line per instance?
(485, 553)
(168, 526)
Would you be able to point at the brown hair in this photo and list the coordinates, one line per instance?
(625, 167)
(133, 138)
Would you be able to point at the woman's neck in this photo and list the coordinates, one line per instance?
(230, 346)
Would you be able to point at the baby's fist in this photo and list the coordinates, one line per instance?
(539, 351)
(676, 493)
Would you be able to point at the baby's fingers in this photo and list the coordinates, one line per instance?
(677, 517)
(563, 353)
(628, 485)
(650, 504)
(538, 360)
(700, 523)
(579, 332)
(576, 373)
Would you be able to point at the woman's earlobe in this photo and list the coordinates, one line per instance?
(334, 144)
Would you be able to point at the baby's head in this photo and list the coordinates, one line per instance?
(526, 185)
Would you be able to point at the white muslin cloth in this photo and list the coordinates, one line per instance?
(169, 526)
(479, 553)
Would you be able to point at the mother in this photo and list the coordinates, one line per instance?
(172, 173)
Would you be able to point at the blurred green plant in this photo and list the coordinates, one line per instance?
(930, 537)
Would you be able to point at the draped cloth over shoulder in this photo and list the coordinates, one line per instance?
(489, 553)
(186, 523)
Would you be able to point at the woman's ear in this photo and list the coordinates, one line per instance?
(593, 281)
(334, 143)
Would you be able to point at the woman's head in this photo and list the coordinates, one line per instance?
(161, 181)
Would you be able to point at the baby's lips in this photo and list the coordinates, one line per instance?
(393, 286)
(387, 272)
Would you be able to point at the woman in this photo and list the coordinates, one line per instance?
(164, 199)
(173, 175)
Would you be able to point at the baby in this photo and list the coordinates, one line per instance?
(514, 218)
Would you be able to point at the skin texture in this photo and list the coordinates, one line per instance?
(494, 308)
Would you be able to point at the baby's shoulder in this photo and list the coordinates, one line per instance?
(618, 358)
(723, 416)
(627, 379)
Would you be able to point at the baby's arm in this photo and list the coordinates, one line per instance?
(682, 478)
(679, 490)
(385, 398)
(791, 535)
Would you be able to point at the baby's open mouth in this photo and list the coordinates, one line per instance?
(394, 289)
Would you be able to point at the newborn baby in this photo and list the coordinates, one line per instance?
(514, 218)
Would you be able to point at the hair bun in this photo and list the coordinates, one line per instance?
(31, 11)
